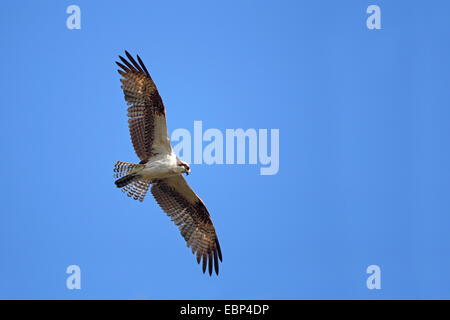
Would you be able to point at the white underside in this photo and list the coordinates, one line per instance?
(161, 166)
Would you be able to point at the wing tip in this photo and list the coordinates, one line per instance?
(216, 263)
(143, 66)
(133, 66)
(210, 264)
(205, 260)
(219, 251)
(210, 261)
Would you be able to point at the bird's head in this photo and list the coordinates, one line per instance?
(185, 168)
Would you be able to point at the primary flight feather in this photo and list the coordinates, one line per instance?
(160, 167)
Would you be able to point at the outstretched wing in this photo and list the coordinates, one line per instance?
(147, 116)
(189, 213)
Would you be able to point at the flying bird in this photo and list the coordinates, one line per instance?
(160, 167)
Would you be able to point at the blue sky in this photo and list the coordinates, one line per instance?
(364, 159)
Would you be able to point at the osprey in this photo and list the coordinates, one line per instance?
(160, 167)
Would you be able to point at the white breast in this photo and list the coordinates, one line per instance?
(161, 167)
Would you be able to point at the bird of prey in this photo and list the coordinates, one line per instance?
(160, 167)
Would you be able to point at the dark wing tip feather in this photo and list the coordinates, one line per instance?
(216, 263)
(210, 264)
(205, 260)
(122, 66)
(210, 261)
(218, 249)
(127, 53)
(129, 65)
(135, 64)
(143, 66)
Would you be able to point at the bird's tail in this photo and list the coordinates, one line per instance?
(129, 180)
(121, 169)
(124, 181)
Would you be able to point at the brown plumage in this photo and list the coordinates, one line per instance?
(159, 166)
(146, 114)
(189, 213)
